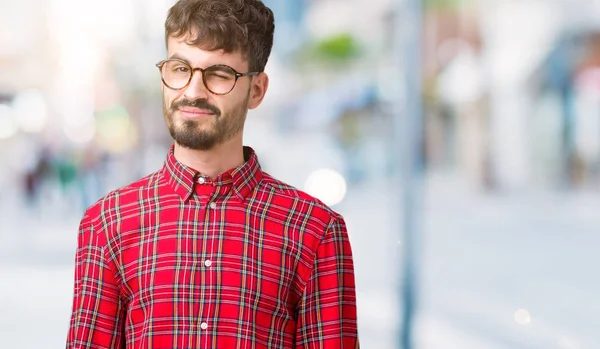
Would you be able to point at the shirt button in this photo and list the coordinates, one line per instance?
(204, 325)
(201, 180)
(213, 205)
(207, 263)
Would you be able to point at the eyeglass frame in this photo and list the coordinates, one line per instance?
(238, 75)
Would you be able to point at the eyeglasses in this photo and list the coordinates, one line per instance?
(218, 79)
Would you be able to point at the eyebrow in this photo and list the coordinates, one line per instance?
(219, 67)
(176, 56)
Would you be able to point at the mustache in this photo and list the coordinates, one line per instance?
(198, 103)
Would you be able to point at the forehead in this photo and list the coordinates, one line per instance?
(199, 57)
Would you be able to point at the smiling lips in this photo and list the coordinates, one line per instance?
(194, 113)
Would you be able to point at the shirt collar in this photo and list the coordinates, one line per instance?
(242, 180)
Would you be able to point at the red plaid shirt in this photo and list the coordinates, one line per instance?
(176, 260)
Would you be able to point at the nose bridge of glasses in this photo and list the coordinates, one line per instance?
(194, 70)
(199, 82)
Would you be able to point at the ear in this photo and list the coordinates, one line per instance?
(260, 84)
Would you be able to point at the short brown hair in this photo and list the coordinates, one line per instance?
(246, 26)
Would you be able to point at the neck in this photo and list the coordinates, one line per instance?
(215, 161)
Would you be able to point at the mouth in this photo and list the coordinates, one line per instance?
(195, 113)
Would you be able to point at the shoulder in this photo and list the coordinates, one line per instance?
(116, 202)
(289, 197)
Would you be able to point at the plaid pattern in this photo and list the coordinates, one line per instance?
(244, 261)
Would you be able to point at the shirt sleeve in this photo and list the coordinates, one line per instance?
(96, 319)
(327, 309)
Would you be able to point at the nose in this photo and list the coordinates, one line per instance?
(196, 89)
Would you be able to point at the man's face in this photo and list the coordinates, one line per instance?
(198, 119)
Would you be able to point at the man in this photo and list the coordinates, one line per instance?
(210, 251)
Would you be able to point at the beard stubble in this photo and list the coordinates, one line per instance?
(195, 134)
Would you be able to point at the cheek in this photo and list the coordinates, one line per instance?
(219, 103)
(169, 97)
(235, 100)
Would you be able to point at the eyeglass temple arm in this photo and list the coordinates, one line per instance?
(253, 73)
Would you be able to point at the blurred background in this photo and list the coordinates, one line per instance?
(505, 213)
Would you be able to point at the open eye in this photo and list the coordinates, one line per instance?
(180, 69)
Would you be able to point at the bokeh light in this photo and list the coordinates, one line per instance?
(522, 317)
(82, 132)
(8, 125)
(327, 185)
(31, 111)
